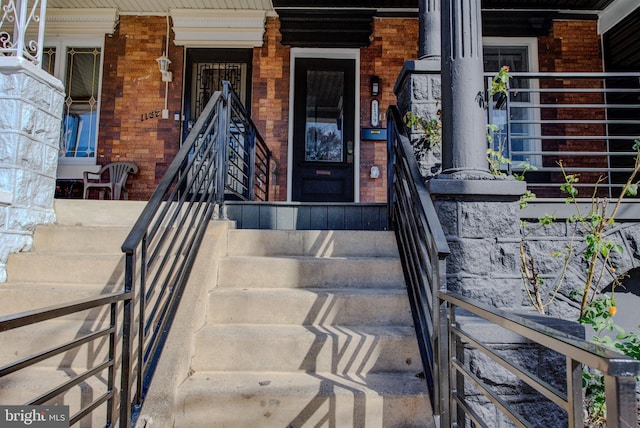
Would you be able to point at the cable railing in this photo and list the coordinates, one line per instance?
(588, 122)
(223, 156)
(448, 346)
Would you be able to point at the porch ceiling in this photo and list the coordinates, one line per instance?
(578, 5)
(161, 6)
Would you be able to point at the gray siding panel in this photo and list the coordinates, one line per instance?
(311, 216)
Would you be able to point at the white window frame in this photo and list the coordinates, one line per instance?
(328, 53)
(531, 44)
(61, 44)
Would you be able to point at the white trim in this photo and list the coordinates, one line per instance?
(84, 22)
(531, 43)
(61, 43)
(614, 13)
(218, 28)
(341, 53)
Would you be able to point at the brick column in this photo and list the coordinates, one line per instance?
(31, 103)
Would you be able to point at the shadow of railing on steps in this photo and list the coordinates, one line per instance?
(223, 154)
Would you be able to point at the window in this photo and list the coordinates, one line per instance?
(79, 66)
(517, 120)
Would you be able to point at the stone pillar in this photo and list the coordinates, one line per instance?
(418, 85)
(31, 103)
(479, 211)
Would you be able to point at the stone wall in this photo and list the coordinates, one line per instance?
(542, 241)
(31, 103)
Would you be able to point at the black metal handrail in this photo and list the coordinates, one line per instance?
(422, 245)
(619, 371)
(223, 155)
(218, 157)
(107, 362)
(444, 342)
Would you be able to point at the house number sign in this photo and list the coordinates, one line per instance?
(151, 115)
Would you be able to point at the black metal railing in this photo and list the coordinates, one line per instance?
(444, 341)
(223, 156)
(422, 246)
(102, 364)
(565, 392)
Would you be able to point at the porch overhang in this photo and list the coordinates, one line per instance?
(218, 27)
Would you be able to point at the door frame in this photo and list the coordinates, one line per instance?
(342, 53)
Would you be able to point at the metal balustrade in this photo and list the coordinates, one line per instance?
(223, 155)
(587, 121)
(22, 24)
(444, 341)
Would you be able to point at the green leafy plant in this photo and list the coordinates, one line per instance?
(599, 314)
(431, 129)
(500, 82)
(593, 225)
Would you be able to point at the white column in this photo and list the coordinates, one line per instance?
(31, 101)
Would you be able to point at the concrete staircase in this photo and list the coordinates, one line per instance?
(276, 328)
(304, 328)
(77, 257)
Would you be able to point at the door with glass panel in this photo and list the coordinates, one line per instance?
(323, 130)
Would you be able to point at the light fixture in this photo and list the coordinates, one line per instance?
(375, 86)
(163, 64)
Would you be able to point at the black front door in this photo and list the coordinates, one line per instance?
(323, 130)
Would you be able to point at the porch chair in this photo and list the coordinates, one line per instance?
(118, 172)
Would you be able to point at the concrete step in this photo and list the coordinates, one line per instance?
(21, 387)
(24, 296)
(85, 212)
(310, 306)
(59, 239)
(301, 272)
(65, 268)
(281, 348)
(249, 400)
(315, 243)
(26, 341)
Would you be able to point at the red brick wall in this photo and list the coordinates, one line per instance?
(132, 87)
(572, 46)
(395, 40)
(270, 102)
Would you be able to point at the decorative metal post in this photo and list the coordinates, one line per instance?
(429, 44)
(464, 144)
(17, 19)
